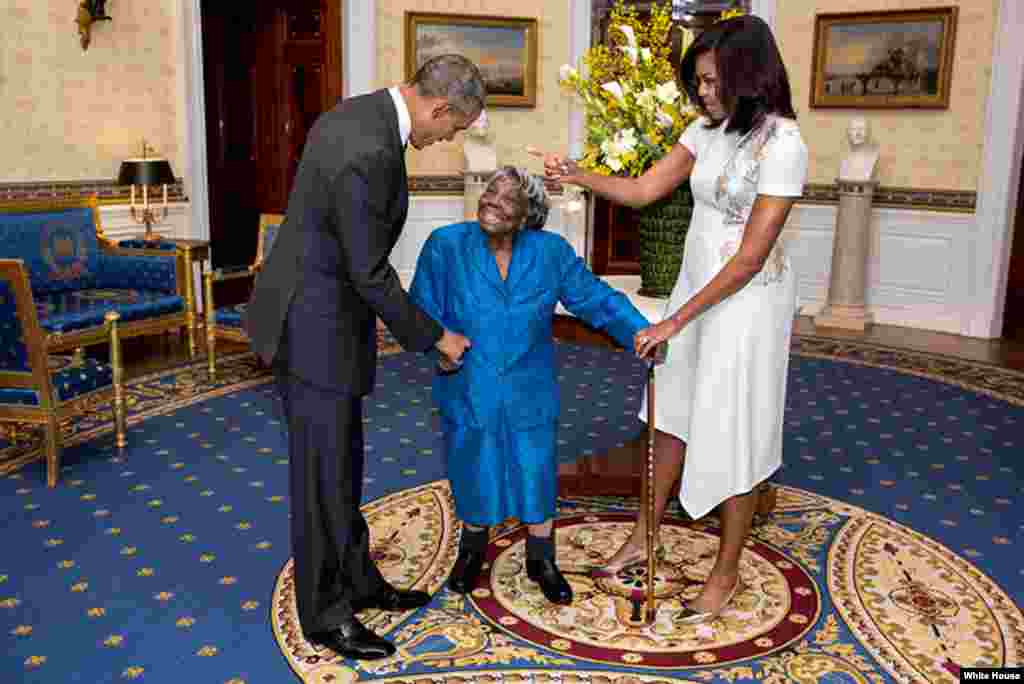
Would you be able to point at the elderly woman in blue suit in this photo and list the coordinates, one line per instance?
(497, 281)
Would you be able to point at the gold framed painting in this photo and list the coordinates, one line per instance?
(884, 60)
(504, 48)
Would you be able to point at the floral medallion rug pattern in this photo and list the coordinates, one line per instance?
(830, 593)
(892, 556)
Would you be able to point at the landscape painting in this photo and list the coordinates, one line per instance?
(505, 49)
(899, 59)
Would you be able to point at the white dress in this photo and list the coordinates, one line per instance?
(722, 388)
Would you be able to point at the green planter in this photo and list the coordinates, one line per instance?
(663, 228)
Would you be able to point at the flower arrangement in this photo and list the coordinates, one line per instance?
(634, 110)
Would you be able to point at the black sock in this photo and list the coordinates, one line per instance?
(473, 540)
(539, 548)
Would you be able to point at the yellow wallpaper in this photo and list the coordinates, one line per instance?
(66, 114)
(934, 149)
(545, 126)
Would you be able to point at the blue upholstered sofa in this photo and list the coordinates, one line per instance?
(46, 390)
(77, 276)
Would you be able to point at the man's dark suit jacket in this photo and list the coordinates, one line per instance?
(329, 268)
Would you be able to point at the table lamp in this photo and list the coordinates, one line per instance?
(146, 171)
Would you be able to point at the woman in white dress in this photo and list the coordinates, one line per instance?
(721, 392)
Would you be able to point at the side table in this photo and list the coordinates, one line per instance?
(194, 253)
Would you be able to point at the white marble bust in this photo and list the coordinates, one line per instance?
(481, 156)
(859, 164)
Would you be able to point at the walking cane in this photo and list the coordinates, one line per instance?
(649, 494)
(657, 358)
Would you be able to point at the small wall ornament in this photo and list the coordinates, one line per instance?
(89, 12)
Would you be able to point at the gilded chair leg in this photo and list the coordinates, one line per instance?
(211, 337)
(190, 305)
(52, 446)
(117, 369)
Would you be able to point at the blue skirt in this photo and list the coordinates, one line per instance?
(502, 473)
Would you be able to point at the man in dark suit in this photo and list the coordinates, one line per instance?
(313, 314)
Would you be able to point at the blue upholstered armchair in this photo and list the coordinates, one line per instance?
(76, 275)
(41, 389)
(226, 322)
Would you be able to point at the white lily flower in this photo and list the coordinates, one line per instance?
(630, 53)
(668, 92)
(648, 99)
(664, 120)
(645, 54)
(627, 31)
(615, 89)
(623, 142)
(686, 41)
(566, 71)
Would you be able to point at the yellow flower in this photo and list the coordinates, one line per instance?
(624, 87)
(631, 85)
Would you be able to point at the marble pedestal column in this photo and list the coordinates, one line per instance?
(845, 305)
(475, 182)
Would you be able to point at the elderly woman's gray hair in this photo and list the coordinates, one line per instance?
(534, 194)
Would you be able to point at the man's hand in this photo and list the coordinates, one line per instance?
(452, 345)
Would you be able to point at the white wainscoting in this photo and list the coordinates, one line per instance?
(917, 264)
(117, 222)
(917, 270)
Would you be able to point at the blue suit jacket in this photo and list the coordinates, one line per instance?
(510, 370)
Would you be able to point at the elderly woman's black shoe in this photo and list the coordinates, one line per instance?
(466, 571)
(545, 573)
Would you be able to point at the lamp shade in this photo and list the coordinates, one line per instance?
(150, 171)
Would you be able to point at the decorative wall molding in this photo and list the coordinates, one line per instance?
(920, 199)
(453, 185)
(107, 190)
(190, 78)
(988, 251)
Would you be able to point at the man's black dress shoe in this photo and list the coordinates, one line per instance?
(545, 573)
(466, 571)
(351, 639)
(393, 599)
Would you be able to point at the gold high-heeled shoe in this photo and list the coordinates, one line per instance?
(690, 616)
(636, 557)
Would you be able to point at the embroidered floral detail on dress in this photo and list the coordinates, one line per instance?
(736, 190)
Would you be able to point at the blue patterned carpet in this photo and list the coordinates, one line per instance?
(159, 564)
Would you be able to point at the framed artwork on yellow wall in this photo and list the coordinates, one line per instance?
(505, 49)
(884, 60)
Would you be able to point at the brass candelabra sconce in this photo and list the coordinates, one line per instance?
(148, 172)
(89, 12)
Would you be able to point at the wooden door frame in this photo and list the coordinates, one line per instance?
(192, 101)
